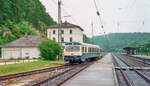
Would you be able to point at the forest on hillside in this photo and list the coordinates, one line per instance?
(115, 42)
(19, 17)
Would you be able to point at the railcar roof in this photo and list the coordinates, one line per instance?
(84, 44)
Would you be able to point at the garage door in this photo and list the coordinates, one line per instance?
(11, 54)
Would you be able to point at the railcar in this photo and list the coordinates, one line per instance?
(76, 52)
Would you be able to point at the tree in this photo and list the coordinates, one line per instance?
(49, 49)
(42, 27)
(117, 41)
(19, 17)
(86, 39)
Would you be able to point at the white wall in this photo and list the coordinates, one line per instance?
(31, 52)
(77, 34)
(8, 53)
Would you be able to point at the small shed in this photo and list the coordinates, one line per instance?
(130, 50)
(22, 47)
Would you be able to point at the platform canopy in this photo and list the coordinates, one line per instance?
(130, 50)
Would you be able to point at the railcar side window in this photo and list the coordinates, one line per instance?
(85, 49)
(88, 49)
(82, 49)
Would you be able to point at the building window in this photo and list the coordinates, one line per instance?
(54, 39)
(54, 32)
(62, 31)
(62, 39)
(70, 39)
(70, 31)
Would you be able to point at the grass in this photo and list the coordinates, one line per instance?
(24, 67)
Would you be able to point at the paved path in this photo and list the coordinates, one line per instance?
(13, 62)
(98, 74)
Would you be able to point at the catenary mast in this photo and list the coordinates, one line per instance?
(59, 21)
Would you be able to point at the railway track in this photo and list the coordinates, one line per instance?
(134, 62)
(130, 77)
(62, 77)
(53, 76)
(11, 76)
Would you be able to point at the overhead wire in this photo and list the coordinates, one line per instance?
(98, 14)
(102, 27)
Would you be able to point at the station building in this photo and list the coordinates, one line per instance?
(69, 33)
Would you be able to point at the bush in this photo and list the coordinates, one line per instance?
(49, 49)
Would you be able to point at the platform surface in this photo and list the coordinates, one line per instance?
(98, 74)
(142, 56)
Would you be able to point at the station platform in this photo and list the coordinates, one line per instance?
(141, 56)
(98, 74)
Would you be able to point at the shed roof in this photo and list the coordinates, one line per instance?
(26, 41)
(65, 25)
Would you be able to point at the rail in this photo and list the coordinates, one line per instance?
(11, 76)
(125, 75)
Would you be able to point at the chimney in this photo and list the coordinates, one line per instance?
(26, 35)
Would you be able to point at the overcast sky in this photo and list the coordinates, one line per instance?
(116, 15)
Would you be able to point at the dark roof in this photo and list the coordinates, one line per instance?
(26, 41)
(65, 25)
(130, 48)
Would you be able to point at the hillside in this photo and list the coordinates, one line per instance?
(116, 41)
(19, 17)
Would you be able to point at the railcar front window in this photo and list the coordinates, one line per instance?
(73, 49)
